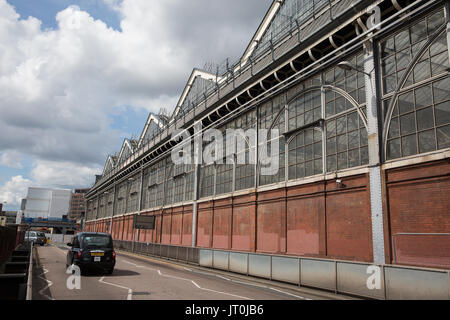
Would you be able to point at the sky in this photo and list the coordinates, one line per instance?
(77, 77)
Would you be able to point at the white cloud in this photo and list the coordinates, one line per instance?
(63, 174)
(11, 158)
(14, 190)
(59, 88)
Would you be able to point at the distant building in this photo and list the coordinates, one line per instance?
(46, 203)
(11, 217)
(78, 204)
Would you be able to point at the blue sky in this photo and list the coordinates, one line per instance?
(46, 10)
(80, 76)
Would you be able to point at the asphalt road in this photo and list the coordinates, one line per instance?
(149, 279)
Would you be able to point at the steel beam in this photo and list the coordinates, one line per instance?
(376, 201)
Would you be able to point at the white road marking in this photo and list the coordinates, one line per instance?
(49, 284)
(289, 294)
(256, 285)
(218, 276)
(185, 279)
(130, 291)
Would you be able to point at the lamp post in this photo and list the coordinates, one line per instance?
(345, 65)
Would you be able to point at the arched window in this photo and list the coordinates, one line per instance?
(327, 123)
(416, 88)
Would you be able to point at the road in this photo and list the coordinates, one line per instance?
(137, 278)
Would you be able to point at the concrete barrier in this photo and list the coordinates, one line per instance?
(413, 284)
(220, 260)
(259, 266)
(318, 274)
(206, 258)
(239, 262)
(286, 269)
(347, 277)
(352, 278)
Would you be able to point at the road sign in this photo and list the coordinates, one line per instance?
(144, 222)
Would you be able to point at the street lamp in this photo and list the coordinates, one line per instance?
(345, 65)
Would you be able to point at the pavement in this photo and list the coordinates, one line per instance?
(143, 278)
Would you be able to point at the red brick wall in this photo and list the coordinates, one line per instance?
(244, 223)
(166, 227)
(419, 202)
(221, 224)
(320, 219)
(271, 222)
(305, 209)
(349, 229)
(157, 232)
(177, 220)
(186, 239)
(204, 224)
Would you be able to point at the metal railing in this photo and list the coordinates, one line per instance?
(171, 252)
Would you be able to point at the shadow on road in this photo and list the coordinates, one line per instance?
(116, 273)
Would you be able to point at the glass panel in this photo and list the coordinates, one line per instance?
(342, 160)
(342, 143)
(435, 21)
(388, 65)
(418, 31)
(439, 45)
(405, 102)
(423, 97)
(394, 130)
(393, 149)
(422, 71)
(407, 124)
(331, 163)
(389, 83)
(427, 141)
(353, 140)
(443, 137)
(401, 40)
(409, 145)
(441, 90)
(443, 113)
(352, 121)
(439, 63)
(403, 59)
(331, 146)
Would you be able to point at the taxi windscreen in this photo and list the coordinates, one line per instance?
(96, 241)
